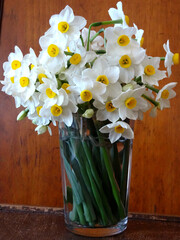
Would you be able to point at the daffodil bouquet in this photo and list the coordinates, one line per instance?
(105, 77)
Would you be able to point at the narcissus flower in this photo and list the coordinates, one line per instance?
(106, 111)
(50, 95)
(119, 40)
(152, 74)
(87, 90)
(60, 113)
(24, 84)
(14, 63)
(119, 14)
(116, 130)
(129, 64)
(52, 54)
(170, 59)
(129, 103)
(66, 26)
(165, 94)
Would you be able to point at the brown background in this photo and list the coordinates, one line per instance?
(30, 165)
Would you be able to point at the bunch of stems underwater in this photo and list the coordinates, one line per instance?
(97, 173)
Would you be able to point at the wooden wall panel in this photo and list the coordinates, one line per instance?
(30, 165)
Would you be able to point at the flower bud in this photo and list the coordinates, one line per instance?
(41, 129)
(22, 114)
(88, 113)
(127, 87)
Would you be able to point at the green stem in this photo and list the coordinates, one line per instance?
(152, 88)
(125, 167)
(96, 24)
(100, 51)
(96, 34)
(82, 40)
(156, 104)
(97, 181)
(162, 58)
(114, 186)
(97, 196)
(68, 53)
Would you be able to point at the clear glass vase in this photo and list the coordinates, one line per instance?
(95, 178)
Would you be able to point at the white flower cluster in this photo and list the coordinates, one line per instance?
(79, 70)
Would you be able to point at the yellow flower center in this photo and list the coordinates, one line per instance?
(125, 61)
(15, 64)
(12, 79)
(149, 70)
(110, 107)
(127, 19)
(130, 102)
(123, 40)
(119, 129)
(31, 66)
(75, 59)
(65, 86)
(141, 42)
(41, 76)
(68, 49)
(176, 58)
(38, 110)
(50, 93)
(102, 79)
(165, 94)
(56, 110)
(24, 81)
(63, 27)
(86, 95)
(53, 50)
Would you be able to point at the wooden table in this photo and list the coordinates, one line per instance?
(28, 223)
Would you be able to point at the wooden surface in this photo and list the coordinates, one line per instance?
(30, 165)
(48, 225)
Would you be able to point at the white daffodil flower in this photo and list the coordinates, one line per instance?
(50, 95)
(129, 103)
(165, 94)
(32, 103)
(43, 72)
(66, 26)
(36, 116)
(106, 111)
(116, 130)
(118, 13)
(78, 61)
(60, 113)
(139, 35)
(31, 59)
(52, 54)
(146, 107)
(129, 64)
(24, 84)
(120, 41)
(86, 89)
(96, 44)
(14, 63)
(170, 58)
(105, 74)
(8, 87)
(151, 73)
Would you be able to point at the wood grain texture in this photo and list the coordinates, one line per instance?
(19, 225)
(30, 165)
